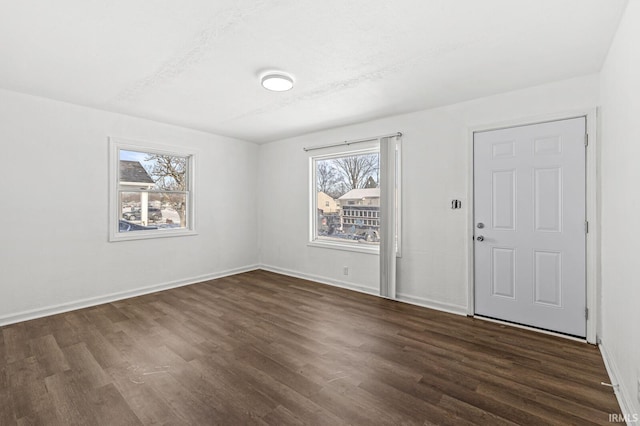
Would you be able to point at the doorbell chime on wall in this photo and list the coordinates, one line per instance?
(456, 204)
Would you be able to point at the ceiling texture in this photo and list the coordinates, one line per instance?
(197, 63)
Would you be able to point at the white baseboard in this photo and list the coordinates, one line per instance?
(112, 297)
(432, 304)
(622, 393)
(319, 279)
(413, 300)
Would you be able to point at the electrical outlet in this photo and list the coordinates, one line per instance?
(345, 270)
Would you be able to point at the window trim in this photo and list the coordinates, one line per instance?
(313, 241)
(118, 144)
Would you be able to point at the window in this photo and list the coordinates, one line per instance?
(350, 183)
(151, 192)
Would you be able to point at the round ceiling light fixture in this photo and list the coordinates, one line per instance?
(277, 82)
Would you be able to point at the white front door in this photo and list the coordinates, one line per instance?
(530, 241)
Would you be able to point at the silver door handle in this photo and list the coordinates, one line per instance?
(480, 238)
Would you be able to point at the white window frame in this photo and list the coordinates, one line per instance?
(313, 203)
(119, 144)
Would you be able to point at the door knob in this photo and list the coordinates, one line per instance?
(480, 238)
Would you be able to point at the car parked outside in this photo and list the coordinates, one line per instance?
(155, 214)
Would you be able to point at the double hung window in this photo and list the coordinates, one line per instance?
(151, 191)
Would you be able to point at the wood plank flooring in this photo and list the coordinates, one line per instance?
(261, 348)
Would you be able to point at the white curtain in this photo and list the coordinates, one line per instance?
(389, 212)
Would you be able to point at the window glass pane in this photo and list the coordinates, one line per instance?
(151, 171)
(348, 199)
(152, 191)
(164, 210)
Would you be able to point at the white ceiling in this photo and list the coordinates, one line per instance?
(197, 63)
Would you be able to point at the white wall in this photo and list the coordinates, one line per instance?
(620, 180)
(54, 248)
(436, 155)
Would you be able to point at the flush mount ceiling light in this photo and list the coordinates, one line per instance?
(277, 82)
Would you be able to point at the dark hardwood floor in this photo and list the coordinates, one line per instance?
(261, 348)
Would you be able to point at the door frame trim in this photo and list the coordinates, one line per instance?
(592, 202)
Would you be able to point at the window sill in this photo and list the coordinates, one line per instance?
(147, 235)
(345, 247)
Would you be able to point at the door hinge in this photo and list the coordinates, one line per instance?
(586, 226)
(586, 139)
(586, 313)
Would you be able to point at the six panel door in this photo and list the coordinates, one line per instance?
(530, 237)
